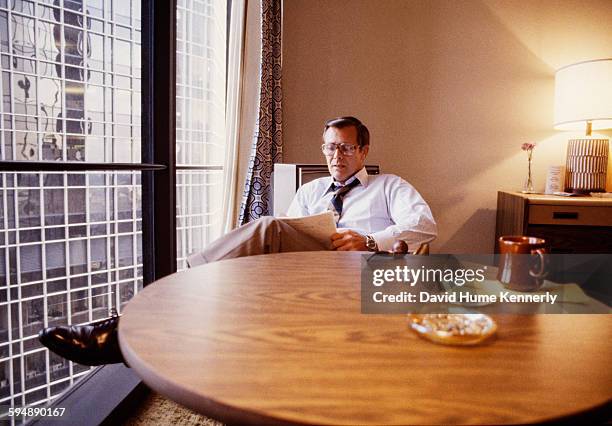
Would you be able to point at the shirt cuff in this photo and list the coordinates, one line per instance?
(384, 239)
(387, 237)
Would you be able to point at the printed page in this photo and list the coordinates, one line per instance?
(319, 226)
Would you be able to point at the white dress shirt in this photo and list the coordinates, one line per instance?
(384, 206)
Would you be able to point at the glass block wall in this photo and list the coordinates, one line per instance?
(200, 122)
(70, 243)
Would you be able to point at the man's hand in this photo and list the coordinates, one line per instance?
(347, 240)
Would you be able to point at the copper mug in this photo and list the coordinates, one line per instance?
(522, 262)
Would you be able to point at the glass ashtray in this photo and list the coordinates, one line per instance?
(453, 329)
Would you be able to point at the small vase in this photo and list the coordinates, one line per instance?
(528, 185)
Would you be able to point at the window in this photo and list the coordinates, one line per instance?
(71, 238)
(70, 242)
(200, 123)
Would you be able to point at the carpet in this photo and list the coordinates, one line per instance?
(157, 410)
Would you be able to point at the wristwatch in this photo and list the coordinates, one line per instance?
(371, 243)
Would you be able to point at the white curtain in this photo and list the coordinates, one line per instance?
(267, 145)
(235, 55)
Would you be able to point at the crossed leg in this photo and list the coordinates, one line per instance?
(97, 343)
(262, 236)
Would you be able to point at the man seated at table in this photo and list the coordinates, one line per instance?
(371, 212)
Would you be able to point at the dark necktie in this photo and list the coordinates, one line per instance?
(339, 193)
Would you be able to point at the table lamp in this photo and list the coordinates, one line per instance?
(583, 101)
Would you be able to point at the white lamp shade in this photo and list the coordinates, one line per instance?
(583, 92)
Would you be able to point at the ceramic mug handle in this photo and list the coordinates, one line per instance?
(540, 273)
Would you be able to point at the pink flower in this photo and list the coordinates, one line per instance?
(528, 146)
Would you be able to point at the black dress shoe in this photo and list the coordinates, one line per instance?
(90, 344)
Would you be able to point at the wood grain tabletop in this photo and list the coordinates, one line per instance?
(280, 338)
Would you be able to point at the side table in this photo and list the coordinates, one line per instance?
(568, 224)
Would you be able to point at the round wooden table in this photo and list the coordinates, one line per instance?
(280, 339)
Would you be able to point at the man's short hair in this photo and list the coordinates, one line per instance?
(363, 134)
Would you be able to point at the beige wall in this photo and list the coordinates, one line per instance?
(449, 90)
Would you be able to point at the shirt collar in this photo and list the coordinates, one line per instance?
(361, 176)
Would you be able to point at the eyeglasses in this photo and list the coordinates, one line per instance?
(347, 149)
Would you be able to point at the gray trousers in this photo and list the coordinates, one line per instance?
(262, 236)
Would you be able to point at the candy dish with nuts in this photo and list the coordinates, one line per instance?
(453, 329)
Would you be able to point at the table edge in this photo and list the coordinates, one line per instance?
(230, 414)
(216, 410)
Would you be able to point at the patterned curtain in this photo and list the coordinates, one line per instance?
(267, 142)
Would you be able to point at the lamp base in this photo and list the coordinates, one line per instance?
(586, 165)
(579, 191)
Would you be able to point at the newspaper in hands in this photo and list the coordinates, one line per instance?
(319, 226)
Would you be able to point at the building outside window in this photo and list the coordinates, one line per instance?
(200, 123)
(71, 242)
